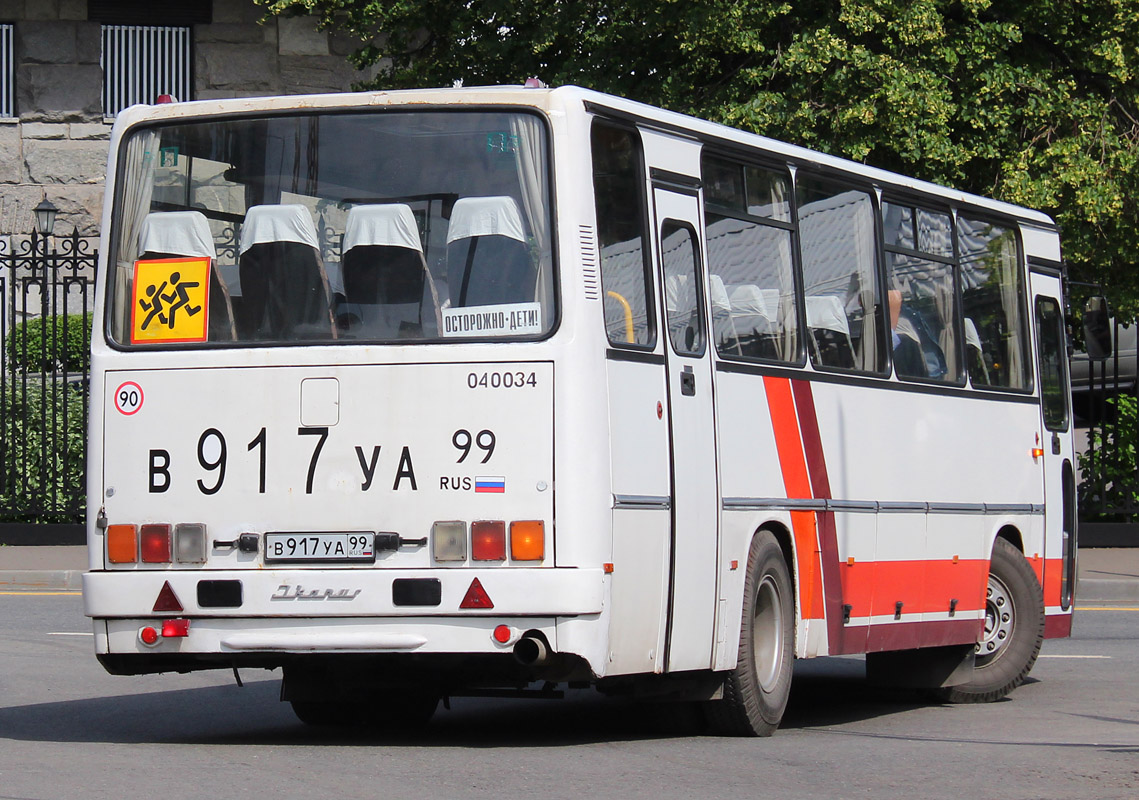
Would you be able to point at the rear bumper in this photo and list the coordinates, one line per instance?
(345, 593)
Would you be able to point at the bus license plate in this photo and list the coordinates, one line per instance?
(345, 547)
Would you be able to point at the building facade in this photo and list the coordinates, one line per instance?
(68, 66)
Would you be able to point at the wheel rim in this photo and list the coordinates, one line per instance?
(767, 633)
(1000, 617)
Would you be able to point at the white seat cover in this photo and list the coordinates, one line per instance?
(278, 223)
(388, 225)
(485, 216)
(183, 233)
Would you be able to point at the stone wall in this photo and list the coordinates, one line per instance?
(56, 147)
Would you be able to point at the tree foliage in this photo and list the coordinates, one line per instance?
(1029, 101)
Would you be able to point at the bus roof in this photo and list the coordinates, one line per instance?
(560, 98)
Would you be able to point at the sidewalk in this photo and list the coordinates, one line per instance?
(44, 568)
(1105, 574)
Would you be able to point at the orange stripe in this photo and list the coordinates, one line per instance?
(787, 439)
(793, 464)
(872, 588)
(1053, 575)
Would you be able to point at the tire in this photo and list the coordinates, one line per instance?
(756, 691)
(1014, 630)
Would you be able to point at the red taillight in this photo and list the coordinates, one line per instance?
(488, 540)
(175, 628)
(148, 636)
(155, 541)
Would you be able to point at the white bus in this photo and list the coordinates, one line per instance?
(431, 393)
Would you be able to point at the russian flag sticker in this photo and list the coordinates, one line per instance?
(495, 484)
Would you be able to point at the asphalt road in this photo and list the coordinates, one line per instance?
(69, 730)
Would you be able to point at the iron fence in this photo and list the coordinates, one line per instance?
(1107, 408)
(47, 285)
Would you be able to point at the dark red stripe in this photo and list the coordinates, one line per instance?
(821, 490)
(909, 635)
(1057, 626)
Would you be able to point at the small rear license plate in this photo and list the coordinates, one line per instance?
(341, 546)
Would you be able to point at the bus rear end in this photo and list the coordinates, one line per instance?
(323, 402)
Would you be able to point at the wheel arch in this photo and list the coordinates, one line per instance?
(1011, 534)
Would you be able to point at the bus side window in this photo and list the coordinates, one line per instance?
(992, 290)
(751, 272)
(922, 293)
(619, 197)
(844, 301)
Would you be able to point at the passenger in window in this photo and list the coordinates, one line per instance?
(908, 358)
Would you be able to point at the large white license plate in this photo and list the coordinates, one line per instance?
(347, 546)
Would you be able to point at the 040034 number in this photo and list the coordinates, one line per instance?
(501, 380)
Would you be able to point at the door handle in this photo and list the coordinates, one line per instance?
(688, 382)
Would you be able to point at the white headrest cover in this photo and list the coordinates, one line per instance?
(485, 216)
(179, 233)
(284, 223)
(972, 338)
(825, 311)
(390, 225)
(747, 298)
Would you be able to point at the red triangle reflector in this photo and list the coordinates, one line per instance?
(167, 601)
(476, 597)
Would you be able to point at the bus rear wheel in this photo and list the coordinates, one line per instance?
(1014, 630)
(756, 691)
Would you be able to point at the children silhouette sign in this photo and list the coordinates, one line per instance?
(171, 300)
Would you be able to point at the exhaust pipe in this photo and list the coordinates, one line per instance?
(531, 651)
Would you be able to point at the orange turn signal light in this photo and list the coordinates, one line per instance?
(122, 544)
(528, 540)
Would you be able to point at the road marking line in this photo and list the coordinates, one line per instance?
(1063, 655)
(1107, 608)
(69, 633)
(39, 594)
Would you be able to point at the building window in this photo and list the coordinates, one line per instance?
(143, 62)
(7, 73)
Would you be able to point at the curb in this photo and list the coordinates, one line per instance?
(1098, 589)
(27, 580)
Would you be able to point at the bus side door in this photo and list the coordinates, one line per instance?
(694, 483)
(1055, 440)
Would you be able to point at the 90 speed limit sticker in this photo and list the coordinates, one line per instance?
(128, 398)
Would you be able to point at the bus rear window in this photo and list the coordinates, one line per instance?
(322, 228)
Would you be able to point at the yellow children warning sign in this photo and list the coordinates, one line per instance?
(171, 300)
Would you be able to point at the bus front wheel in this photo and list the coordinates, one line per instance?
(756, 691)
(1014, 630)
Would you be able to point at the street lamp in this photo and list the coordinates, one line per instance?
(45, 217)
